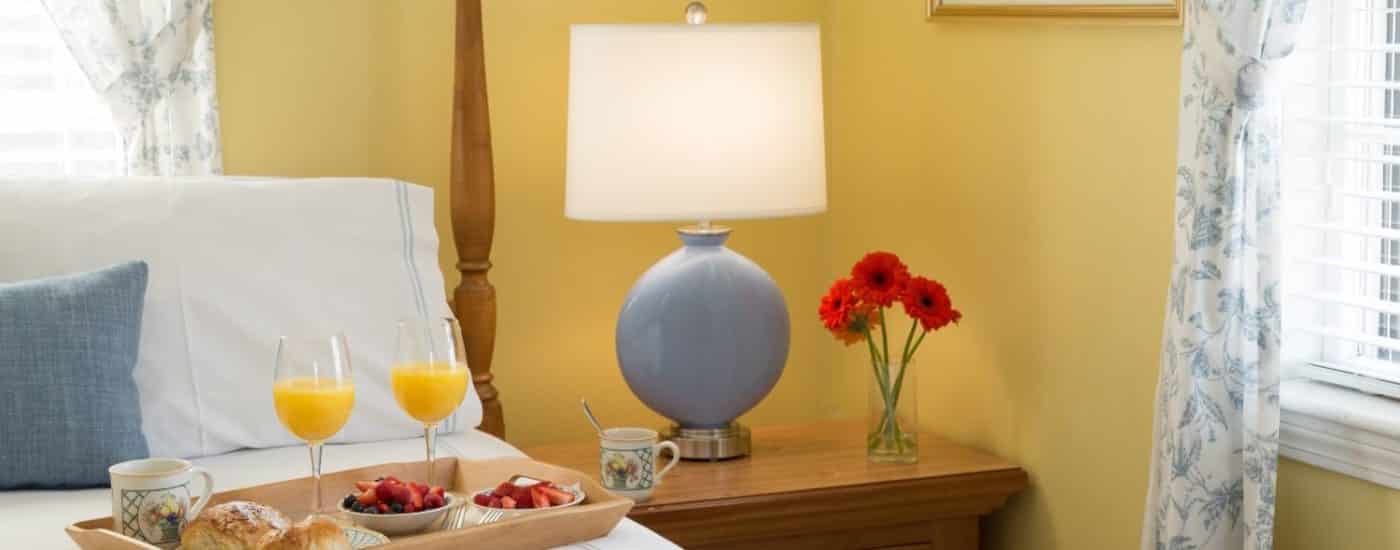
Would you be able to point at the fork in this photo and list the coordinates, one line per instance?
(456, 518)
(491, 516)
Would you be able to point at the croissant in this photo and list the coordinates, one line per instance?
(314, 533)
(240, 525)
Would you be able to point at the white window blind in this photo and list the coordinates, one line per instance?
(51, 121)
(1341, 189)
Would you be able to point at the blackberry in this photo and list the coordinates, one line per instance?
(396, 507)
(357, 507)
(349, 501)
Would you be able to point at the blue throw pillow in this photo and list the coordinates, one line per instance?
(68, 403)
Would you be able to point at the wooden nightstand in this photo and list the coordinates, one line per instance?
(809, 486)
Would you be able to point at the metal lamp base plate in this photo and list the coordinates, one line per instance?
(709, 444)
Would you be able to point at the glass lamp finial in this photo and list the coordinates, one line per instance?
(695, 13)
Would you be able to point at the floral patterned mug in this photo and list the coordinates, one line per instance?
(151, 498)
(628, 459)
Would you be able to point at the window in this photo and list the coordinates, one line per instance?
(1341, 189)
(1341, 171)
(51, 121)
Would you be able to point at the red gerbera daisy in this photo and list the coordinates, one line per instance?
(837, 304)
(862, 322)
(880, 278)
(843, 313)
(927, 301)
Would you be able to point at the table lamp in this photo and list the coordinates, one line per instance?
(698, 123)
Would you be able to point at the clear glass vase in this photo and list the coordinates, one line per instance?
(893, 432)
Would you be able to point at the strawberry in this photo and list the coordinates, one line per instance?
(368, 498)
(439, 492)
(383, 508)
(411, 508)
(385, 490)
(402, 494)
(504, 489)
(507, 502)
(522, 497)
(415, 499)
(495, 502)
(482, 499)
(432, 501)
(537, 495)
(364, 485)
(556, 496)
(391, 479)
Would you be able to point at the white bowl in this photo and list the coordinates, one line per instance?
(402, 523)
(517, 512)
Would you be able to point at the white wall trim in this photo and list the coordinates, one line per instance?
(1342, 430)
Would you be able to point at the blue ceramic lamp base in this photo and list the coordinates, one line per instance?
(701, 339)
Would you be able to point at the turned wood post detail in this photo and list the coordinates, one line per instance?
(473, 210)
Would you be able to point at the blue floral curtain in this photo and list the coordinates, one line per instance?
(152, 62)
(1215, 450)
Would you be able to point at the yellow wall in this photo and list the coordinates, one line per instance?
(1026, 164)
(294, 86)
(1029, 165)
(1322, 510)
(363, 87)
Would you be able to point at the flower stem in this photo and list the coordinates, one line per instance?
(884, 337)
(890, 422)
(899, 380)
(895, 432)
(913, 324)
(875, 362)
(882, 380)
(916, 344)
(870, 342)
(892, 425)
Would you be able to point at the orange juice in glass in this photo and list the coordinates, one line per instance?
(313, 409)
(429, 392)
(429, 375)
(313, 392)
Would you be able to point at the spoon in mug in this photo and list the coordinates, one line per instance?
(588, 412)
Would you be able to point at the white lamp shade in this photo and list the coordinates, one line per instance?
(695, 122)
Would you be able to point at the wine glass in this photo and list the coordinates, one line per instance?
(429, 375)
(313, 392)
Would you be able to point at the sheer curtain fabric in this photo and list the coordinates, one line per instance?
(152, 62)
(1215, 448)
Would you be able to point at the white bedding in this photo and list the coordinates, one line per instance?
(34, 520)
(235, 263)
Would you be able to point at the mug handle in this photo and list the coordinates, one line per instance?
(675, 457)
(203, 496)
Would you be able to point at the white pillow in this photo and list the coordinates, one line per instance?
(234, 263)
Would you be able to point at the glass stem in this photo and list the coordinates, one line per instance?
(430, 440)
(315, 449)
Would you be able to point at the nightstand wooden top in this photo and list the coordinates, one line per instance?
(818, 457)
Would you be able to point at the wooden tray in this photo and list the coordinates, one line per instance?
(595, 517)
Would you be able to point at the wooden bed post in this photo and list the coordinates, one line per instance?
(473, 197)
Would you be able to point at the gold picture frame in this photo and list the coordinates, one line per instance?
(1167, 10)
